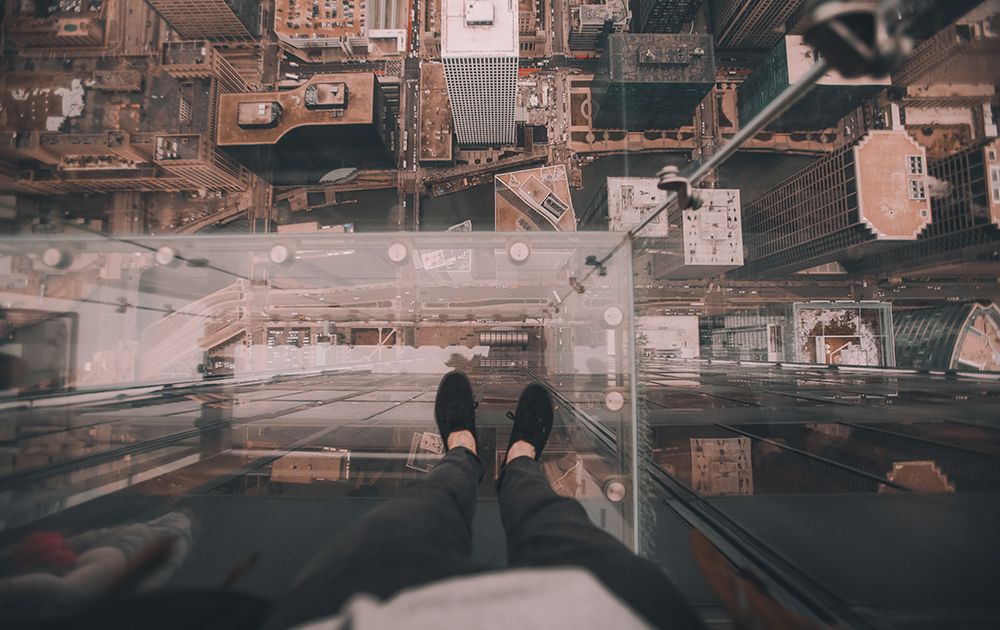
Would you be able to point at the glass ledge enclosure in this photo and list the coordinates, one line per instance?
(154, 374)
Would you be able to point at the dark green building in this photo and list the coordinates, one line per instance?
(652, 81)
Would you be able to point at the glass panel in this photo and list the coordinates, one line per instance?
(761, 285)
(178, 369)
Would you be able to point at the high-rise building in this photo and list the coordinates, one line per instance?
(215, 20)
(435, 115)
(332, 121)
(950, 83)
(64, 145)
(590, 24)
(822, 107)
(479, 50)
(670, 336)
(663, 16)
(949, 337)
(751, 23)
(536, 199)
(84, 29)
(352, 29)
(965, 217)
(201, 60)
(531, 29)
(848, 333)
(862, 198)
(651, 81)
(962, 53)
(696, 243)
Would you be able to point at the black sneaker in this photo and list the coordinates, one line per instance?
(532, 419)
(454, 406)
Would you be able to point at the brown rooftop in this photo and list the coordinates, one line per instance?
(893, 200)
(435, 115)
(317, 102)
(301, 19)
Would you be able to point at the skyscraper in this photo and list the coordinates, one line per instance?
(216, 20)
(823, 106)
(663, 16)
(479, 49)
(652, 81)
(692, 243)
(862, 198)
(949, 337)
(965, 217)
(590, 24)
(849, 333)
(332, 121)
(964, 52)
(751, 23)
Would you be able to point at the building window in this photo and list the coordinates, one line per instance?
(185, 111)
(993, 155)
(995, 182)
(915, 164)
(917, 190)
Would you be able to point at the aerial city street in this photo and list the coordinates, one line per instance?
(750, 247)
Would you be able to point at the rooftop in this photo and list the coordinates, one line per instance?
(312, 103)
(713, 233)
(435, 114)
(800, 57)
(319, 20)
(892, 195)
(479, 27)
(75, 103)
(661, 58)
(534, 199)
(631, 200)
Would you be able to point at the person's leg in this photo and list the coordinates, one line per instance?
(420, 536)
(545, 529)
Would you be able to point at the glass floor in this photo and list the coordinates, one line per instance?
(271, 377)
(255, 395)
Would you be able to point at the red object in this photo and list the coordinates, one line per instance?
(41, 550)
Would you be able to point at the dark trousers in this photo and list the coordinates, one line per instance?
(425, 535)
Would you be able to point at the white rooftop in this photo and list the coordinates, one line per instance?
(713, 234)
(479, 27)
(631, 200)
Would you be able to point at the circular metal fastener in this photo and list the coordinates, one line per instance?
(165, 255)
(280, 254)
(56, 258)
(519, 251)
(614, 400)
(613, 316)
(615, 491)
(398, 252)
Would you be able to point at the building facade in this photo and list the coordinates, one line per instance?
(949, 337)
(333, 121)
(649, 81)
(963, 53)
(663, 16)
(822, 107)
(479, 48)
(751, 23)
(215, 20)
(590, 24)
(863, 198)
(833, 333)
(965, 218)
(63, 146)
